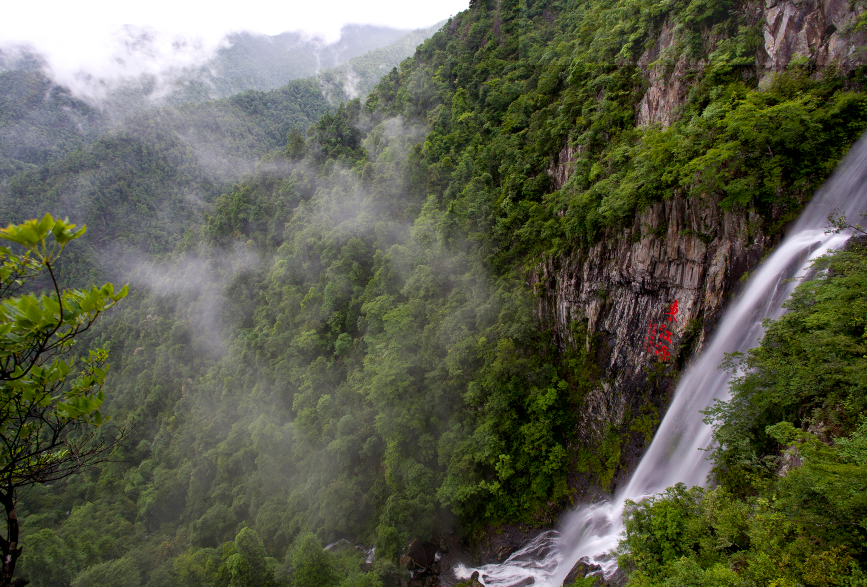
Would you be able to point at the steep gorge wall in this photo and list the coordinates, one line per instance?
(681, 249)
(678, 250)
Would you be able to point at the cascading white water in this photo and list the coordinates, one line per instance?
(592, 531)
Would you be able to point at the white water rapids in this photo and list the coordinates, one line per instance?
(592, 531)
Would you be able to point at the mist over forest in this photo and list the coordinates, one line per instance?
(388, 302)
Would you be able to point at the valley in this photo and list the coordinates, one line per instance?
(409, 304)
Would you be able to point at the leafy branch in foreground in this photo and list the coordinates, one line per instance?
(49, 407)
(838, 223)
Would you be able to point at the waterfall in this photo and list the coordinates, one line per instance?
(592, 531)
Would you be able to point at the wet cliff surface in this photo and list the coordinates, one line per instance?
(620, 293)
(616, 297)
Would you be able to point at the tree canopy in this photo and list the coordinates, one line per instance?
(48, 408)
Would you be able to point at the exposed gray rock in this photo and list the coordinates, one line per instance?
(821, 31)
(583, 569)
(564, 166)
(498, 546)
(666, 73)
(681, 249)
(580, 570)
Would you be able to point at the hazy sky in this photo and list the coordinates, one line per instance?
(93, 36)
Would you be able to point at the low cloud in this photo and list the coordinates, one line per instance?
(200, 284)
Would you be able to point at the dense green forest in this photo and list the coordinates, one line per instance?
(40, 121)
(343, 344)
(145, 184)
(358, 76)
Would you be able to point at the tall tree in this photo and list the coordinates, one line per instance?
(49, 400)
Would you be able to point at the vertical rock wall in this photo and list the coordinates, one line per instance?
(684, 250)
(821, 31)
(680, 249)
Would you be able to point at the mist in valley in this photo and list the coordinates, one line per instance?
(344, 243)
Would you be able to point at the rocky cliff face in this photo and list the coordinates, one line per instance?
(820, 31)
(679, 250)
(685, 251)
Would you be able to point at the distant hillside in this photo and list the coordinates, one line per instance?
(145, 183)
(262, 62)
(41, 121)
(358, 76)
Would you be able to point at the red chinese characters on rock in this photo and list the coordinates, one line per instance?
(672, 311)
(658, 335)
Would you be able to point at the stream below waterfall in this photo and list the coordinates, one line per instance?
(591, 531)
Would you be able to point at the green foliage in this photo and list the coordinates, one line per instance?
(120, 572)
(36, 385)
(40, 121)
(359, 76)
(342, 342)
(249, 565)
(310, 566)
(808, 371)
(494, 128)
(47, 408)
(791, 507)
(588, 581)
(144, 186)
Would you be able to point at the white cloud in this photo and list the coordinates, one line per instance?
(110, 39)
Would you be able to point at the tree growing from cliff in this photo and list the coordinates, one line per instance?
(837, 223)
(49, 404)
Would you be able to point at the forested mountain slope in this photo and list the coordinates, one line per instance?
(381, 334)
(262, 62)
(41, 121)
(147, 180)
(142, 186)
(358, 76)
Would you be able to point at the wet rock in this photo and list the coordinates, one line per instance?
(499, 544)
(473, 581)
(583, 568)
(424, 581)
(503, 552)
(580, 570)
(680, 249)
(617, 579)
(420, 556)
(454, 553)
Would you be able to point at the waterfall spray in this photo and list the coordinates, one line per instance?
(592, 531)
